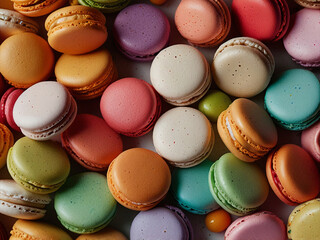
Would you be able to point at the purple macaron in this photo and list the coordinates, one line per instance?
(165, 223)
(141, 31)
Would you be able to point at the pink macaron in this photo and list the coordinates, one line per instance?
(7, 102)
(262, 225)
(310, 140)
(130, 106)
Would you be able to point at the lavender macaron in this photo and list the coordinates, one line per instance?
(141, 31)
(165, 223)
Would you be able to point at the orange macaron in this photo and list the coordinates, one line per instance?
(37, 8)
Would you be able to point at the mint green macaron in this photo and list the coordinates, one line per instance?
(238, 187)
(84, 204)
(106, 6)
(38, 166)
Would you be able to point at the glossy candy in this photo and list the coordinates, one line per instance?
(218, 220)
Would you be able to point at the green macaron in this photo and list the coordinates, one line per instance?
(106, 6)
(38, 166)
(84, 204)
(238, 187)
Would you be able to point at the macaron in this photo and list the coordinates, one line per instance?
(7, 102)
(84, 204)
(242, 67)
(265, 20)
(6, 142)
(17, 202)
(130, 106)
(203, 23)
(180, 74)
(34, 8)
(86, 75)
(107, 233)
(23, 229)
(214, 103)
(238, 187)
(105, 6)
(76, 29)
(12, 22)
(303, 37)
(151, 31)
(39, 167)
(25, 59)
(262, 225)
(190, 188)
(183, 136)
(3, 232)
(304, 220)
(91, 142)
(310, 140)
(44, 110)
(165, 222)
(293, 174)
(309, 3)
(247, 130)
(138, 179)
(292, 103)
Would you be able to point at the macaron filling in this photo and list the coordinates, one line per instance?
(33, 5)
(11, 19)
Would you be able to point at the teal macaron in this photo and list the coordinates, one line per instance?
(293, 99)
(190, 187)
(106, 6)
(84, 204)
(238, 187)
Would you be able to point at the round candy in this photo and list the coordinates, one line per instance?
(213, 104)
(218, 220)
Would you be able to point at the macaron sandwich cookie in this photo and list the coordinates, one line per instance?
(91, 142)
(130, 106)
(238, 187)
(106, 6)
(25, 59)
(303, 37)
(107, 233)
(247, 130)
(84, 204)
(36, 8)
(139, 179)
(151, 31)
(204, 23)
(183, 136)
(23, 229)
(38, 166)
(12, 22)
(17, 202)
(309, 3)
(310, 140)
(265, 20)
(293, 174)
(44, 110)
(87, 75)
(242, 67)
(180, 74)
(261, 225)
(6, 142)
(76, 29)
(165, 222)
(292, 103)
(304, 220)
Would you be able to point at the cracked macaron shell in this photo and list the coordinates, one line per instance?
(238, 187)
(38, 166)
(247, 130)
(293, 174)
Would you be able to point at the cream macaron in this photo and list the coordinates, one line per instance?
(183, 136)
(180, 74)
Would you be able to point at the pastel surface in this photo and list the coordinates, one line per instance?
(310, 140)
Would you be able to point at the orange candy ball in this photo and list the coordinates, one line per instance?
(218, 220)
(158, 2)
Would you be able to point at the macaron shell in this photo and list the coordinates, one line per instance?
(106, 234)
(106, 6)
(183, 136)
(9, 104)
(25, 59)
(33, 229)
(297, 173)
(303, 222)
(139, 178)
(261, 225)
(92, 142)
(310, 140)
(40, 9)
